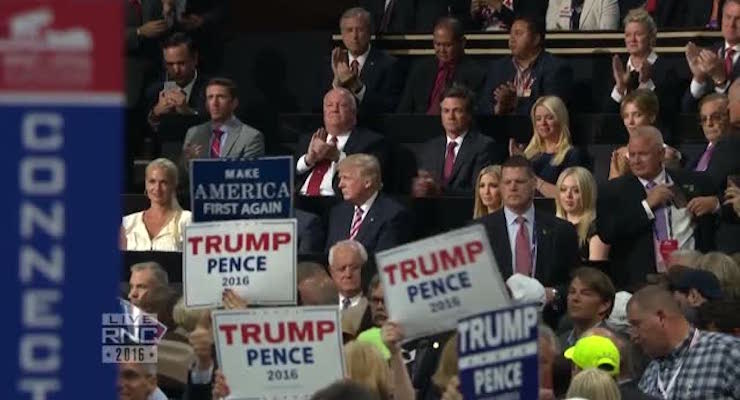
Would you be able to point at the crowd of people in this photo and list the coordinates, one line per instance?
(636, 274)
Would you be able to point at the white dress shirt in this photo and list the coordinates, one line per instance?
(698, 89)
(650, 85)
(353, 301)
(512, 228)
(459, 140)
(365, 209)
(326, 188)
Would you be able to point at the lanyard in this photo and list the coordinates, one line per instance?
(666, 390)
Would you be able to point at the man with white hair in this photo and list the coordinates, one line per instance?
(138, 381)
(347, 259)
(146, 278)
(644, 215)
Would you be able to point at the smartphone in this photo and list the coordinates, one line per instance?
(679, 197)
(170, 85)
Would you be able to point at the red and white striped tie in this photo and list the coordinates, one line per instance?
(356, 222)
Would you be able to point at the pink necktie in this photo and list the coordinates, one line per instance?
(729, 54)
(356, 222)
(449, 162)
(216, 143)
(522, 249)
(705, 158)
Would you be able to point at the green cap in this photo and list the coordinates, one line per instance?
(595, 352)
(373, 336)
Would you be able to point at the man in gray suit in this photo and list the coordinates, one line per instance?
(224, 136)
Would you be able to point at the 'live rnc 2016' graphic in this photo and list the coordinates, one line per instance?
(131, 336)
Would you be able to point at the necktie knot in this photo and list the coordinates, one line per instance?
(730, 53)
(217, 133)
(651, 185)
(354, 66)
(346, 302)
(520, 219)
(451, 146)
(358, 211)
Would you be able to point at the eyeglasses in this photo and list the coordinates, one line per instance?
(714, 118)
(350, 268)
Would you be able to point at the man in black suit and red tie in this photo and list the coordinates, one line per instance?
(366, 215)
(432, 75)
(648, 214)
(715, 69)
(528, 241)
(450, 164)
(318, 154)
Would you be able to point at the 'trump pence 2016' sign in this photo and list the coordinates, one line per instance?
(257, 259)
(431, 283)
(498, 354)
(287, 352)
(244, 189)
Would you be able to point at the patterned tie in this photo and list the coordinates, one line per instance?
(444, 75)
(704, 160)
(449, 162)
(355, 67)
(661, 227)
(216, 143)
(318, 172)
(356, 222)
(346, 302)
(522, 249)
(729, 54)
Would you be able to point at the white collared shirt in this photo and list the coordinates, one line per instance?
(459, 140)
(650, 85)
(326, 188)
(682, 225)
(365, 209)
(697, 89)
(512, 228)
(353, 301)
(222, 140)
(188, 89)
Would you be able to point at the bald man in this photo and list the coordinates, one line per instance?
(687, 363)
(644, 215)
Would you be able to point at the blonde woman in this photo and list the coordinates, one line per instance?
(725, 269)
(593, 383)
(576, 203)
(550, 150)
(366, 366)
(487, 193)
(160, 227)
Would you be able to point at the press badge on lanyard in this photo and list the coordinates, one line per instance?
(665, 391)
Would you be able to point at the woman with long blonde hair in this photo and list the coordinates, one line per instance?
(161, 226)
(550, 150)
(576, 203)
(487, 193)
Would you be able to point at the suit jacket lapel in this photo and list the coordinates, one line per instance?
(544, 250)
(366, 74)
(587, 6)
(463, 155)
(503, 245)
(234, 128)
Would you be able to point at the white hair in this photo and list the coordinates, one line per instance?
(353, 245)
(649, 132)
(160, 275)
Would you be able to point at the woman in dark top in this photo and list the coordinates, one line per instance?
(576, 203)
(550, 149)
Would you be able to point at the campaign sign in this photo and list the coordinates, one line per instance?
(431, 283)
(241, 189)
(279, 353)
(61, 80)
(255, 258)
(498, 354)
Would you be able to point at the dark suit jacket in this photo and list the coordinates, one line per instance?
(557, 247)
(402, 17)
(726, 161)
(552, 76)
(311, 233)
(699, 12)
(382, 79)
(689, 104)
(623, 223)
(386, 225)
(476, 152)
(361, 140)
(429, 11)
(530, 8)
(420, 82)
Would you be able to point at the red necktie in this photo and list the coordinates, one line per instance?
(318, 172)
(651, 6)
(136, 4)
(356, 222)
(386, 17)
(444, 74)
(216, 143)
(449, 162)
(729, 54)
(354, 66)
(522, 249)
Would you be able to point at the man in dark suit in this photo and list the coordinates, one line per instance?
(391, 15)
(347, 262)
(714, 117)
(369, 73)
(528, 241)
(450, 164)
(514, 83)
(646, 215)
(714, 69)
(431, 76)
(366, 215)
(318, 154)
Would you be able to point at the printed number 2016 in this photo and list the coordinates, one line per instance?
(445, 304)
(227, 281)
(282, 374)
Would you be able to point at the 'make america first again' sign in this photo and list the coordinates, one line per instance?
(431, 283)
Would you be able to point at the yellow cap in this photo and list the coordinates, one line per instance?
(373, 336)
(595, 352)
